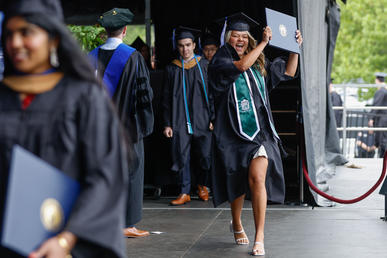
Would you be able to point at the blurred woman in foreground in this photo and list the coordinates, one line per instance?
(52, 106)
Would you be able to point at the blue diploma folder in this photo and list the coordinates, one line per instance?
(283, 29)
(39, 201)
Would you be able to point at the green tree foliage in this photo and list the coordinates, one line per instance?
(88, 36)
(91, 37)
(361, 45)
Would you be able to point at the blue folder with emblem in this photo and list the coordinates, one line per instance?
(283, 29)
(38, 203)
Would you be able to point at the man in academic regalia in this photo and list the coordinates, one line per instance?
(380, 116)
(186, 115)
(210, 46)
(126, 78)
(336, 102)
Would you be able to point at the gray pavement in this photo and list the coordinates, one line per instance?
(199, 230)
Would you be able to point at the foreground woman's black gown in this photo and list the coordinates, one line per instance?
(74, 128)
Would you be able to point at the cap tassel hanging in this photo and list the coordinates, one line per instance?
(223, 32)
(200, 45)
(173, 39)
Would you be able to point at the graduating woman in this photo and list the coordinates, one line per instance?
(247, 146)
(52, 106)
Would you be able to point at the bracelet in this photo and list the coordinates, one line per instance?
(65, 245)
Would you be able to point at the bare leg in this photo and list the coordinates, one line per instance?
(236, 212)
(257, 178)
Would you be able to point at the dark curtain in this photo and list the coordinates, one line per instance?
(319, 21)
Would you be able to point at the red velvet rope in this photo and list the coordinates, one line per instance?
(332, 198)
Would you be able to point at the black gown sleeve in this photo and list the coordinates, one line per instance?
(276, 72)
(204, 65)
(133, 98)
(222, 72)
(166, 100)
(143, 99)
(98, 213)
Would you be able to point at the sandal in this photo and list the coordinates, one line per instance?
(260, 251)
(239, 241)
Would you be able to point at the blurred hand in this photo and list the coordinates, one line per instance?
(211, 127)
(50, 249)
(299, 37)
(267, 35)
(168, 132)
(59, 246)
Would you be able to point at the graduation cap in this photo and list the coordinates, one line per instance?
(184, 33)
(210, 39)
(380, 76)
(238, 21)
(51, 8)
(116, 18)
(138, 43)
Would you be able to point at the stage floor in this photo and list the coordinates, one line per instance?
(199, 230)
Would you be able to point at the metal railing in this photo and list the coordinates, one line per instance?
(355, 112)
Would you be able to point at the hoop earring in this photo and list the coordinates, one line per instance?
(54, 60)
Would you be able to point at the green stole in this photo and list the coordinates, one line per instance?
(246, 111)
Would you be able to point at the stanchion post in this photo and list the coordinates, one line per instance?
(383, 191)
(345, 122)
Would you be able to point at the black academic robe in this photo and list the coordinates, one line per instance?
(232, 151)
(336, 101)
(380, 119)
(74, 128)
(174, 116)
(133, 95)
(133, 99)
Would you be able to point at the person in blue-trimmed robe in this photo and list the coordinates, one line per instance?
(126, 78)
(186, 116)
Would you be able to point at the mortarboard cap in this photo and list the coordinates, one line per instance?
(209, 39)
(239, 22)
(51, 8)
(380, 75)
(138, 43)
(185, 32)
(116, 18)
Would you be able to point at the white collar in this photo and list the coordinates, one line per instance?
(111, 43)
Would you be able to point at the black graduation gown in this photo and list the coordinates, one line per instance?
(133, 96)
(74, 128)
(336, 101)
(380, 119)
(133, 99)
(232, 151)
(174, 114)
